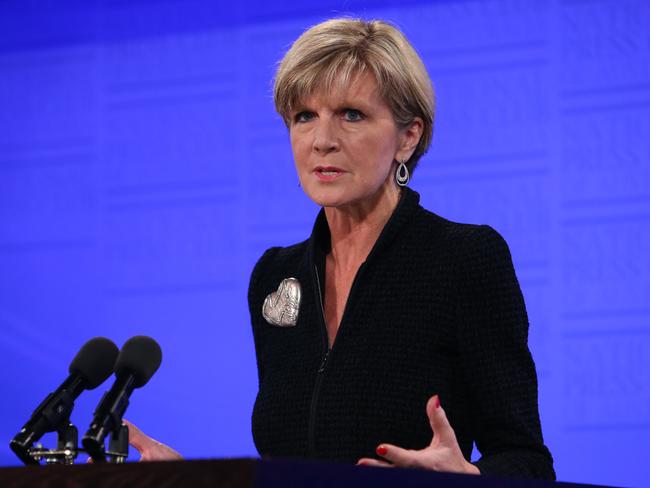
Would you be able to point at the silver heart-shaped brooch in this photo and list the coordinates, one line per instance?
(281, 307)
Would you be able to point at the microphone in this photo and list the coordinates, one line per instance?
(138, 360)
(91, 366)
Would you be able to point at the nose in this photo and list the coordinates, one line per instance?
(325, 138)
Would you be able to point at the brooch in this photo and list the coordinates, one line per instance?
(281, 307)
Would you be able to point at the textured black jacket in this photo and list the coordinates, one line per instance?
(435, 308)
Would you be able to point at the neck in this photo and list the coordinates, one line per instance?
(355, 228)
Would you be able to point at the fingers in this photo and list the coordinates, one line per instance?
(137, 438)
(150, 449)
(374, 462)
(404, 458)
(443, 433)
(161, 452)
(443, 454)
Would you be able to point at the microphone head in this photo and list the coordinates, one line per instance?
(140, 356)
(95, 361)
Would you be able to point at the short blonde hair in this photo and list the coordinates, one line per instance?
(338, 50)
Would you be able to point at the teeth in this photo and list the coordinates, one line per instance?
(329, 173)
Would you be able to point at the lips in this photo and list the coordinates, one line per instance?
(328, 173)
(328, 169)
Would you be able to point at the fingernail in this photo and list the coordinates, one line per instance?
(382, 450)
(437, 401)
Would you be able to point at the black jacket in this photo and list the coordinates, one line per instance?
(435, 308)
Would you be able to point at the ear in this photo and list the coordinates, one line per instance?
(409, 139)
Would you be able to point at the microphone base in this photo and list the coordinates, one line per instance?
(118, 445)
(65, 453)
(23, 453)
(94, 446)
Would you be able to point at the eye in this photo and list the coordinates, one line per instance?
(352, 115)
(302, 117)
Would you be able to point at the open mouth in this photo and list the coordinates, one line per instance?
(328, 170)
(328, 173)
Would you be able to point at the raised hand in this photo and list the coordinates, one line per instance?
(443, 454)
(150, 449)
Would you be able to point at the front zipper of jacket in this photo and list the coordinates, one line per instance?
(319, 373)
(327, 351)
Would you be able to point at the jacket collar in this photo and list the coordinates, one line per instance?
(320, 239)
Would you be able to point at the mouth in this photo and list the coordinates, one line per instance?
(328, 170)
(328, 173)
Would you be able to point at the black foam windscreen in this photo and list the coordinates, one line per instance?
(95, 361)
(140, 356)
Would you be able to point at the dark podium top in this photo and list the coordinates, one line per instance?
(239, 473)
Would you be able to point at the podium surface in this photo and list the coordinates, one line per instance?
(249, 473)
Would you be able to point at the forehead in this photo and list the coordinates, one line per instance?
(361, 88)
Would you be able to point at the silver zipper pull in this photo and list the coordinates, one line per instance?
(321, 368)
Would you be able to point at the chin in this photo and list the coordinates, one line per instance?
(336, 197)
(328, 197)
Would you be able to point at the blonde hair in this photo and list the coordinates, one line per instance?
(338, 50)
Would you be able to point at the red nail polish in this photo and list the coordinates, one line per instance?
(437, 401)
(381, 451)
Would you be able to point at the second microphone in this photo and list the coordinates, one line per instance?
(138, 360)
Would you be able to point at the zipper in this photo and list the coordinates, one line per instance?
(321, 368)
(319, 373)
(328, 350)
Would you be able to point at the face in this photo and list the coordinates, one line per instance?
(345, 142)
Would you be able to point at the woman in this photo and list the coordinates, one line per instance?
(391, 337)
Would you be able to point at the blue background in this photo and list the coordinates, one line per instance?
(143, 171)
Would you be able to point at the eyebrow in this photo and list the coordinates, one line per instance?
(347, 103)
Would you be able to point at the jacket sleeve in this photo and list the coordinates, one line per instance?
(496, 363)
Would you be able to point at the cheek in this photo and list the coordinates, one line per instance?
(381, 144)
(299, 148)
(381, 158)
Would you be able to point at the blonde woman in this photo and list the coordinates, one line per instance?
(410, 342)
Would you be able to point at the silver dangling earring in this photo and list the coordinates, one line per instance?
(402, 175)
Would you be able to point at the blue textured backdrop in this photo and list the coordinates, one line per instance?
(143, 171)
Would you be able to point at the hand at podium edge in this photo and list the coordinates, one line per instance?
(443, 454)
(150, 449)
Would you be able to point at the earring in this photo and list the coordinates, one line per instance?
(402, 175)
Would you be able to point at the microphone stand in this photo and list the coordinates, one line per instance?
(66, 448)
(118, 445)
(66, 451)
